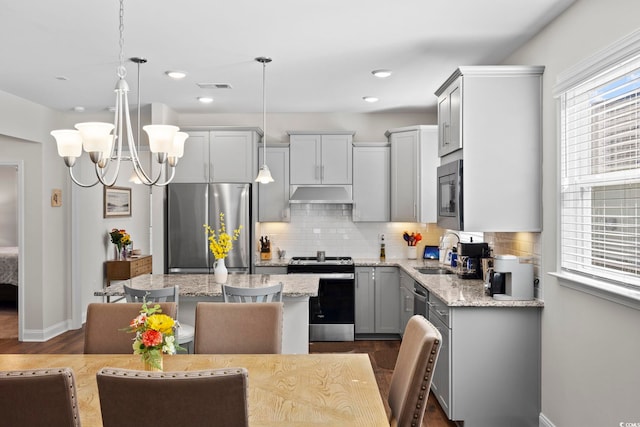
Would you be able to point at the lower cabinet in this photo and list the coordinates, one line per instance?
(377, 294)
(406, 300)
(488, 355)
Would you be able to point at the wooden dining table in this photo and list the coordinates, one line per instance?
(283, 389)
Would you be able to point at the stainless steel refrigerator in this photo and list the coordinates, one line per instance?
(189, 207)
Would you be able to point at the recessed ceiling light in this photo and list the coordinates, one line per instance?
(371, 99)
(205, 99)
(78, 109)
(382, 74)
(177, 75)
(62, 78)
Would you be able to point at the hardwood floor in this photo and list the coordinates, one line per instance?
(382, 354)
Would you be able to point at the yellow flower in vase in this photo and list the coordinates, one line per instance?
(221, 242)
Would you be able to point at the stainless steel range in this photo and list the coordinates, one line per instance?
(332, 312)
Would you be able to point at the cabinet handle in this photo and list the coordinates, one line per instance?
(317, 172)
(406, 306)
(322, 172)
(445, 134)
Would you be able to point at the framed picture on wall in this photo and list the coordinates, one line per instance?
(117, 202)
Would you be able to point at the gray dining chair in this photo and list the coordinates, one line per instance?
(238, 328)
(41, 397)
(263, 294)
(104, 334)
(206, 397)
(413, 372)
(184, 332)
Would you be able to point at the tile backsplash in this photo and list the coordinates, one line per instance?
(330, 228)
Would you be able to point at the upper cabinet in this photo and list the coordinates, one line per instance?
(449, 117)
(219, 155)
(414, 159)
(371, 172)
(273, 198)
(498, 137)
(320, 157)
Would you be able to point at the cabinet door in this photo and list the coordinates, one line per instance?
(387, 297)
(232, 156)
(336, 159)
(406, 300)
(305, 159)
(441, 381)
(273, 198)
(404, 176)
(371, 187)
(194, 164)
(450, 119)
(365, 301)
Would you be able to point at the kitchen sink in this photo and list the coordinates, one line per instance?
(433, 270)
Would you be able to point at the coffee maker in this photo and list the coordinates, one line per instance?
(511, 279)
(470, 259)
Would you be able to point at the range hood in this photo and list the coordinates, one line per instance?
(321, 194)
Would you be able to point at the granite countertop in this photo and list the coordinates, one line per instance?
(449, 288)
(203, 285)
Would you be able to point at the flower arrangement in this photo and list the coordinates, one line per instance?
(120, 238)
(154, 335)
(411, 239)
(221, 243)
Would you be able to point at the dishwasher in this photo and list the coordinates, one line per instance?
(420, 296)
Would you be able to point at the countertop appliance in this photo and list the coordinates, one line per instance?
(449, 196)
(470, 259)
(189, 207)
(332, 312)
(517, 275)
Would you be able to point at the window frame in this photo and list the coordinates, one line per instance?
(598, 63)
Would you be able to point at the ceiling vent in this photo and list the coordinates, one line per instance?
(214, 86)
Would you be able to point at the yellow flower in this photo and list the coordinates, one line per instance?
(221, 245)
(161, 323)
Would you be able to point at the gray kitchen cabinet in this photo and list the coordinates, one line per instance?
(371, 176)
(449, 118)
(497, 134)
(321, 157)
(488, 355)
(377, 295)
(406, 300)
(219, 155)
(273, 198)
(414, 159)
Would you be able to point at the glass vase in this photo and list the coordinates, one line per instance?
(117, 253)
(220, 272)
(154, 364)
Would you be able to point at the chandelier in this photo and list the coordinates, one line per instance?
(264, 174)
(166, 143)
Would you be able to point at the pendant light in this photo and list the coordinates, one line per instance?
(264, 174)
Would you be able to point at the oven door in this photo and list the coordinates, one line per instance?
(332, 312)
(450, 209)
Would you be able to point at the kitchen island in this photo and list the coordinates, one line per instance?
(194, 288)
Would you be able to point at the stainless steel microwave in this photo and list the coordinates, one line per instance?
(450, 202)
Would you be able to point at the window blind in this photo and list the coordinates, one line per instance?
(600, 175)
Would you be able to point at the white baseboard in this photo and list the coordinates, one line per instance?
(544, 421)
(41, 335)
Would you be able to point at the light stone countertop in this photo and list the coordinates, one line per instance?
(451, 289)
(203, 285)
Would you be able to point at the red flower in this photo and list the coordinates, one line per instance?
(151, 338)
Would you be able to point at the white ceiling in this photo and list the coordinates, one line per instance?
(323, 50)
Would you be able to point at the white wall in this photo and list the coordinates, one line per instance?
(8, 206)
(590, 347)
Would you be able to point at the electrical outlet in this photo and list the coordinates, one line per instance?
(380, 237)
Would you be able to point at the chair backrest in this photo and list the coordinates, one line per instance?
(238, 328)
(104, 332)
(152, 295)
(264, 294)
(42, 397)
(210, 397)
(411, 379)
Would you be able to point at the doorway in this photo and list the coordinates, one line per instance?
(10, 264)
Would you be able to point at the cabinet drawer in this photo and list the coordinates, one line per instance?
(438, 309)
